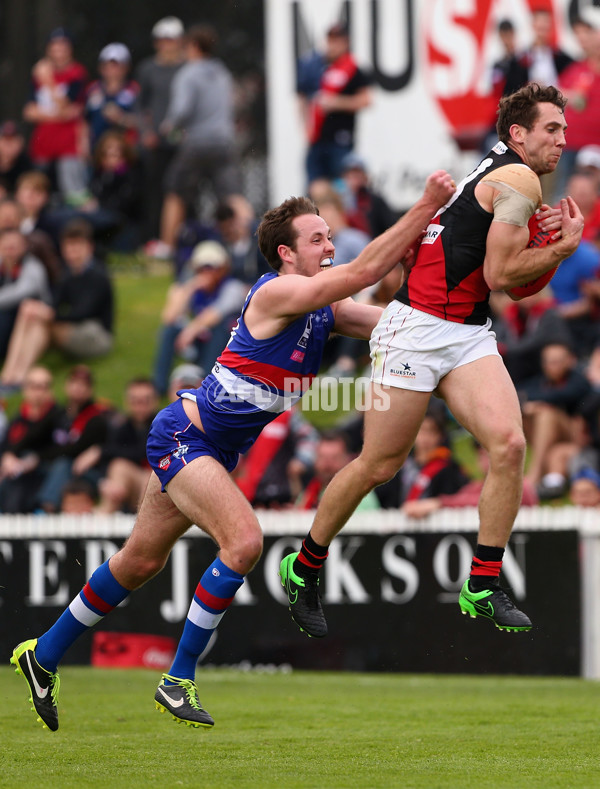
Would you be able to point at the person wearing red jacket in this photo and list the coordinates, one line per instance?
(55, 108)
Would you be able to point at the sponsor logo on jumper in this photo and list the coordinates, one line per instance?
(303, 341)
(298, 356)
(432, 233)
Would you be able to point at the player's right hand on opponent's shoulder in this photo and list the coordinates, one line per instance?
(439, 188)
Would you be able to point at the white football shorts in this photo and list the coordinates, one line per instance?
(411, 349)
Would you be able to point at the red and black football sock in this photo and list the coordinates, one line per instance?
(311, 557)
(485, 567)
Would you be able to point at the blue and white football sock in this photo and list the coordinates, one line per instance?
(98, 597)
(213, 596)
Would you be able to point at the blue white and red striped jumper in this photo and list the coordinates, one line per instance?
(253, 381)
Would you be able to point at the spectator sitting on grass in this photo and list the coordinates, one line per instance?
(552, 406)
(199, 314)
(84, 426)
(431, 469)
(13, 157)
(184, 376)
(28, 443)
(115, 192)
(39, 243)
(22, 276)
(78, 497)
(331, 455)
(585, 488)
(79, 322)
(33, 193)
(467, 496)
(124, 452)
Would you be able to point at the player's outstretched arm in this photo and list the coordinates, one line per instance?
(295, 295)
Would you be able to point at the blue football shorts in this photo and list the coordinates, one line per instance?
(173, 442)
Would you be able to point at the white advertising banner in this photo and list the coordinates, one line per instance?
(430, 61)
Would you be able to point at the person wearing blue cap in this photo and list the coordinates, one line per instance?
(585, 488)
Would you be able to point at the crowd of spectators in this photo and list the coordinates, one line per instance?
(129, 160)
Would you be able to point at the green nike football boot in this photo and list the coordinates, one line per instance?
(303, 597)
(43, 685)
(493, 604)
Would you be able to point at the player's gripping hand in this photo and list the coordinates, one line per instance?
(550, 220)
(439, 188)
(571, 226)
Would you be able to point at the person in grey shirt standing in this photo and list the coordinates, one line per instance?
(201, 109)
(155, 75)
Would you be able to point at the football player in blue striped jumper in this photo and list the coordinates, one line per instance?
(273, 354)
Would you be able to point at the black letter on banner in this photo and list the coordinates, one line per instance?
(401, 80)
(303, 39)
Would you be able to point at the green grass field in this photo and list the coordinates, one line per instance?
(308, 730)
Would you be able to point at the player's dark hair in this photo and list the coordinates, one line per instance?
(276, 227)
(521, 107)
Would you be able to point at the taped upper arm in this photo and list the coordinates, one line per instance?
(518, 193)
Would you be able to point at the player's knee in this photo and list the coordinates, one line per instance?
(381, 471)
(133, 571)
(245, 552)
(516, 448)
(510, 452)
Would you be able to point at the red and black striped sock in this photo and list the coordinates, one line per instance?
(485, 567)
(311, 557)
